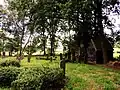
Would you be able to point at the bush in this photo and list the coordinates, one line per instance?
(10, 63)
(8, 75)
(53, 79)
(39, 79)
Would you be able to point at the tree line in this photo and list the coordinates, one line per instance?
(32, 23)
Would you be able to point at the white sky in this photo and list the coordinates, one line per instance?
(2, 2)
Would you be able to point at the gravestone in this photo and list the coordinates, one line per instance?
(62, 65)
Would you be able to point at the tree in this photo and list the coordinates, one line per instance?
(78, 16)
(32, 47)
(41, 22)
(87, 19)
(100, 8)
(53, 16)
(22, 18)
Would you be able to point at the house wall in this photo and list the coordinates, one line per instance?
(91, 54)
(110, 55)
(99, 57)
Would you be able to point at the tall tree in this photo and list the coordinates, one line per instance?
(53, 16)
(22, 15)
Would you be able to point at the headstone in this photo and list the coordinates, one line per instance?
(62, 65)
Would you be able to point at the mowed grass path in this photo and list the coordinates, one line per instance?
(82, 76)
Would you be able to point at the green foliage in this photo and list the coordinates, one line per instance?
(8, 75)
(81, 76)
(10, 63)
(28, 79)
(39, 79)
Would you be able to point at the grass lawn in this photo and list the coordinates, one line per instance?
(89, 77)
(82, 76)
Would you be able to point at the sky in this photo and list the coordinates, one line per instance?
(2, 2)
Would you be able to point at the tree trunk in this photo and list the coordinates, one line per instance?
(20, 47)
(44, 47)
(100, 29)
(85, 42)
(80, 55)
(85, 56)
(29, 57)
(3, 53)
(69, 55)
(22, 36)
(52, 44)
(51, 49)
(10, 53)
(44, 41)
(73, 56)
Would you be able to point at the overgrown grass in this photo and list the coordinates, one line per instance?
(82, 76)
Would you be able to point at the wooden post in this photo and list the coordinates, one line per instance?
(62, 65)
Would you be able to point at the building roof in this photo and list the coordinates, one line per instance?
(96, 42)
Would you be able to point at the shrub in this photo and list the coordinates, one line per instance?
(53, 79)
(8, 75)
(39, 79)
(10, 63)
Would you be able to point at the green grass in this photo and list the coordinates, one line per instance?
(88, 77)
(82, 76)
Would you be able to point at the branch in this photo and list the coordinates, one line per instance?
(26, 43)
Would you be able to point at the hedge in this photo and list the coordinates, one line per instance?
(8, 75)
(39, 79)
(10, 63)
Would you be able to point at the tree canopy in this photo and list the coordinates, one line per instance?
(78, 20)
